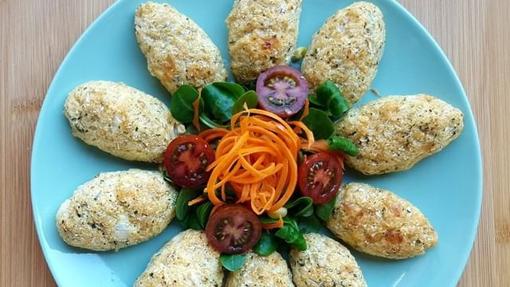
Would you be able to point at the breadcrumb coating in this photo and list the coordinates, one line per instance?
(261, 34)
(117, 209)
(378, 222)
(121, 120)
(325, 263)
(261, 271)
(347, 50)
(395, 132)
(185, 261)
(178, 51)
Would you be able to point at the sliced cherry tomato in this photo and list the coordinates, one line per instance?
(320, 176)
(186, 160)
(233, 229)
(282, 90)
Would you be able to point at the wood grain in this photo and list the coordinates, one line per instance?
(35, 35)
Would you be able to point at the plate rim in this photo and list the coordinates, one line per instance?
(35, 146)
(409, 17)
(479, 161)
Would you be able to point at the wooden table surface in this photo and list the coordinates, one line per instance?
(35, 36)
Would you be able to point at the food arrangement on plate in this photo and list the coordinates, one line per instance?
(253, 169)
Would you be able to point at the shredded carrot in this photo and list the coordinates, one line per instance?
(306, 110)
(306, 130)
(274, 225)
(197, 200)
(215, 207)
(212, 134)
(316, 146)
(196, 114)
(257, 157)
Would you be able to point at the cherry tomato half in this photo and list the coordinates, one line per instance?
(320, 176)
(186, 160)
(282, 90)
(233, 229)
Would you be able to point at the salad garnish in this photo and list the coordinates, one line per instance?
(261, 167)
(257, 157)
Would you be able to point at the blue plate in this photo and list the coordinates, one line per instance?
(447, 187)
